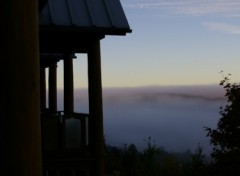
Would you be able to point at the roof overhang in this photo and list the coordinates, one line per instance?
(86, 30)
(71, 25)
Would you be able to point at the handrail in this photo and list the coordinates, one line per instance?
(75, 115)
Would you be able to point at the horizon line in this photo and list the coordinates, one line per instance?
(152, 86)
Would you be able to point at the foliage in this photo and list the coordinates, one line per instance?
(226, 138)
(198, 161)
(152, 161)
(150, 158)
(130, 160)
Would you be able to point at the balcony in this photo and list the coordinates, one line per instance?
(65, 144)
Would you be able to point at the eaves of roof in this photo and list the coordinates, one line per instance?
(105, 17)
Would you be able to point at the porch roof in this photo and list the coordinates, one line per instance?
(105, 17)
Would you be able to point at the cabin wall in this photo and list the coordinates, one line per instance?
(20, 141)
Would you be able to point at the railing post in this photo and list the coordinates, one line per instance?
(42, 88)
(83, 132)
(52, 83)
(63, 132)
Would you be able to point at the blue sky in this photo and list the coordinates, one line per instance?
(174, 42)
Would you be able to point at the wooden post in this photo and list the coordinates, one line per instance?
(83, 132)
(20, 141)
(96, 141)
(52, 83)
(42, 88)
(68, 84)
(68, 93)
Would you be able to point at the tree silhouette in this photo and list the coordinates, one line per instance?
(150, 158)
(198, 162)
(226, 138)
(130, 160)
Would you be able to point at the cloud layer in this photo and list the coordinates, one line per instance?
(223, 27)
(173, 116)
(227, 8)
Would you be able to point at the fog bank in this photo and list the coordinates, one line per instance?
(174, 117)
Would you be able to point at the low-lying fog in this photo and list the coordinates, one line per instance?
(174, 117)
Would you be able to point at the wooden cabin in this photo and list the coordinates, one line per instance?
(35, 36)
(68, 27)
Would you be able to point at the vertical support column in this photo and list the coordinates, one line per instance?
(68, 84)
(42, 88)
(20, 141)
(52, 83)
(96, 141)
(68, 92)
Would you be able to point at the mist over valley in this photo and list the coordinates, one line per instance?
(174, 116)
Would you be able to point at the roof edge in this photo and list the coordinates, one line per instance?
(86, 30)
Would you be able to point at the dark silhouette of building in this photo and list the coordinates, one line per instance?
(33, 135)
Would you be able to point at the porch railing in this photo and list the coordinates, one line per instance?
(65, 144)
(62, 131)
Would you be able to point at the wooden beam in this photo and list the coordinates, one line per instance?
(68, 84)
(96, 141)
(20, 141)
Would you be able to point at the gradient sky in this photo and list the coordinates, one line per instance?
(174, 42)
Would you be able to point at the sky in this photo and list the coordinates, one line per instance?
(173, 42)
(161, 79)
